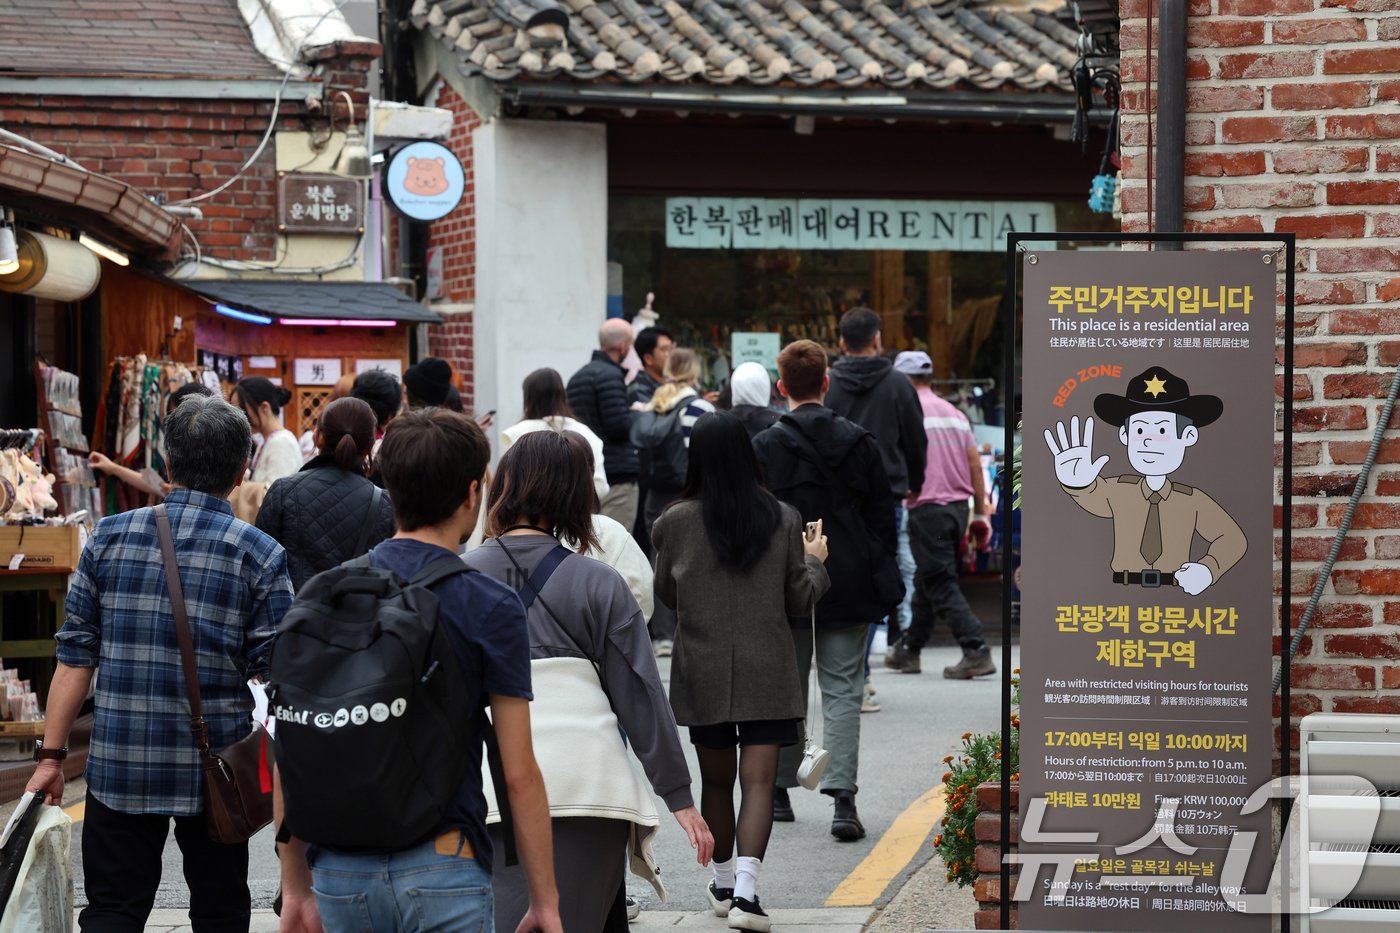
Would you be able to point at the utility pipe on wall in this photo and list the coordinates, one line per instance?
(1171, 122)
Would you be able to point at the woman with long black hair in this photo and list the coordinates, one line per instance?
(594, 678)
(735, 564)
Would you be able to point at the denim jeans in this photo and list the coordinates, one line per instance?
(413, 891)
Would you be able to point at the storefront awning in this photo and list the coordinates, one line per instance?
(920, 45)
(66, 194)
(346, 301)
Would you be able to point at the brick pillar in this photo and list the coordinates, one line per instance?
(988, 831)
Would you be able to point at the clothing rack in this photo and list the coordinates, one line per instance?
(966, 383)
(23, 439)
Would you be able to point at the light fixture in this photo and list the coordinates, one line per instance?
(103, 250)
(353, 161)
(9, 252)
(237, 315)
(331, 322)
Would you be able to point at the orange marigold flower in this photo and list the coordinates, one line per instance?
(947, 758)
(947, 776)
(966, 736)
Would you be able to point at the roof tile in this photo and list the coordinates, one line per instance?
(989, 44)
(129, 37)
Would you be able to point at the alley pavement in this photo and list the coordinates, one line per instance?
(889, 882)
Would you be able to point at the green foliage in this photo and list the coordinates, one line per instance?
(980, 761)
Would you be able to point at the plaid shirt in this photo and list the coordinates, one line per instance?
(143, 757)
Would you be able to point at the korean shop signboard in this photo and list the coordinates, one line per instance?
(787, 223)
(1147, 568)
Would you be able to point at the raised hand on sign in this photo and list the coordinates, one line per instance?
(1074, 463)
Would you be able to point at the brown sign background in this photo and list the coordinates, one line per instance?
(1113, 718)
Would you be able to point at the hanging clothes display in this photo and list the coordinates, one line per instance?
(130, 426)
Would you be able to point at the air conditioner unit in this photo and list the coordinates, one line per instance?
(1336, 843)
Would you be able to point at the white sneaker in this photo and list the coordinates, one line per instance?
(747, 915)
(634, 909)
(663, 647)
(721, 899)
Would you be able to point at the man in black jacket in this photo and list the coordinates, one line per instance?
(598, 396)
(829, 468)
(866, 389)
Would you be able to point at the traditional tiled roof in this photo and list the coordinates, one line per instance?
(806, 43)
(189, 38)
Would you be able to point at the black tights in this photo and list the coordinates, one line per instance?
(756, 769)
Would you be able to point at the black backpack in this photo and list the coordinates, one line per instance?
(372, 712)
(661, 441)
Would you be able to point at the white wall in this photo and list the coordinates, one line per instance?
(541, 254)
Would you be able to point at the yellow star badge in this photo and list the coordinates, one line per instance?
(1155, 386)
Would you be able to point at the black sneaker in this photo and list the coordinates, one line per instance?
(782, 806)
(972, 665)
(846, 825)
(721, 899)
(747, 915)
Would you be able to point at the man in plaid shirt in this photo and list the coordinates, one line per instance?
(143, 767)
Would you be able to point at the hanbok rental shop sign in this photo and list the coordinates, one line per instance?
(1147, 566)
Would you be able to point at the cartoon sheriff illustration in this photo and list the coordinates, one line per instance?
(1154, 519)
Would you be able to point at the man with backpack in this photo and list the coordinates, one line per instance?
(830, 469)
(381, 677)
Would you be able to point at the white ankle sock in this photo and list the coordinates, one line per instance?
(724, 873)
(746, 877)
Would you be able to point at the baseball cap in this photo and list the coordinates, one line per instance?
(913, 363)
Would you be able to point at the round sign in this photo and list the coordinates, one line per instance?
(424, 180)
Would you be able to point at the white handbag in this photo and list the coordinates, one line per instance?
(814, 757)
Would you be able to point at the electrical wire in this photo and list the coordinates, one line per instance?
(1343, 528)
(272, 119)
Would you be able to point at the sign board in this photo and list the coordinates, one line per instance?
(757, 347)
(320, 204)
(767, 223)
(316, 372)
(424, 180)
(392, 366)
(1147, 554)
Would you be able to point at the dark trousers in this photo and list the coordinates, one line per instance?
(934, 533)
(122, 865)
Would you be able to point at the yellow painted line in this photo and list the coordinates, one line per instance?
(77, 811)
(892, 854)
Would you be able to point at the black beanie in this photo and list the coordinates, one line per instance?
(429, 380)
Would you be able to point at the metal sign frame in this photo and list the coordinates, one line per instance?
(1011, 379)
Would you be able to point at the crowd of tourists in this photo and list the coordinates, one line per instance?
(459, 661)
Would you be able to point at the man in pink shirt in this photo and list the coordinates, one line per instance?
(938, 519)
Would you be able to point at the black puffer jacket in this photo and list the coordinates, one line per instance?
(319, 516)
(867, 390)
(857, 511)
(598, 396)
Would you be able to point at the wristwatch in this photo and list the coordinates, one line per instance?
(49, 754)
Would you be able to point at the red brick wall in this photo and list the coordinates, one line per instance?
(1293, 125)
(455, 235)
(174, 149)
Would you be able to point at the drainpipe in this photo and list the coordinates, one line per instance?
(1171, 122)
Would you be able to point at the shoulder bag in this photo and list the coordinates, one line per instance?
(235, 805)
(814, 757)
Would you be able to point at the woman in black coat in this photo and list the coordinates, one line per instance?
(328, 512)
